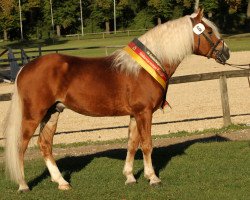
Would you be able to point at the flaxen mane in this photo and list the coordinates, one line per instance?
(171, 42)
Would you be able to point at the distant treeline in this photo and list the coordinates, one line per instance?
(98, 15)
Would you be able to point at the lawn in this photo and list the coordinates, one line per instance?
(211, 168)
(238, 43)
(234, 43)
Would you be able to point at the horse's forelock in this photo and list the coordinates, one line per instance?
(213, 26)
(209, 23)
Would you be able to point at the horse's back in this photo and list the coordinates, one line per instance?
(82, 84)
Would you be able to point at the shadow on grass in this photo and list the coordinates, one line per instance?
(161, 157)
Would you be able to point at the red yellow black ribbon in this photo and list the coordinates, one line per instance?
(146, 59)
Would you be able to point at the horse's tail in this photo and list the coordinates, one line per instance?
(12, 133)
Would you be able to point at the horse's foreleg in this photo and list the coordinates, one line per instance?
(45, 141)
(144, 121)
(133, 143)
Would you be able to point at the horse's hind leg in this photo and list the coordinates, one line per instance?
(133, 144)
(28, 129)
(45, 141)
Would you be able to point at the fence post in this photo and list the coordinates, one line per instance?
(39, 50)
(106, 51)
(225, 101)
(24, 57)
(14, 67)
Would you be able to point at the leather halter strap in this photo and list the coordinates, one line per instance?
(211, 43)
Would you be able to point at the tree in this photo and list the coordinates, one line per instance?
(211, 7)
(124, 13)
(248, 9)
(103, 12)
(160, 9)
(8, 16)
(65, 13)
(32, 15)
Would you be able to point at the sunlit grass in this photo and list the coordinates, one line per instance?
(234, 43)
(209, 168)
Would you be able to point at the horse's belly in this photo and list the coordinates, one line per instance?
(97, 105)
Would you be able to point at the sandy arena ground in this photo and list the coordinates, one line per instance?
(195, 106)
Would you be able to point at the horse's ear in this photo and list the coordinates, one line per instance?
(199, 14)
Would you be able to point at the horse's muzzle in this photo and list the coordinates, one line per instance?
(222, 55)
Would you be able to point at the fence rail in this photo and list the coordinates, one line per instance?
(107, 34)
(209, 76)
(222, 76)
(13, 60)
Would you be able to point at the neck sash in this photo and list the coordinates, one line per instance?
(147, 60)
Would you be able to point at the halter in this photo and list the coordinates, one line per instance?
(218, 53)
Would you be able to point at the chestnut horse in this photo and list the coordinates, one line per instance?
(115, 85)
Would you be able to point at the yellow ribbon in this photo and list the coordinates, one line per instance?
(146, 66)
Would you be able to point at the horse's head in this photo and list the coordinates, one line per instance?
(207, 41)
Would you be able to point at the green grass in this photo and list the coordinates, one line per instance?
(235, 44)
(210, 168)
(238, 44)
(64, 43)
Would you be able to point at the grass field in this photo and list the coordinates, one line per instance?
(234, 43)
(210, 168)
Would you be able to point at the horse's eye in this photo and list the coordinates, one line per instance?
(210, 32)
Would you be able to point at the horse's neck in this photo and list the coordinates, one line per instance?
(170, 42)
(170, 69)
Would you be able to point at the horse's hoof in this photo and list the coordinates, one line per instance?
(23, 190)
(155, 184)
(64, 187)
(155, 181)
(130, 182)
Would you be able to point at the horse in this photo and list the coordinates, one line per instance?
(115, 85)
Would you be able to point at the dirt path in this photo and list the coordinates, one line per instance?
(59, 152)
(195, 106)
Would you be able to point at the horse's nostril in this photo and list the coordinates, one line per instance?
(226, 53)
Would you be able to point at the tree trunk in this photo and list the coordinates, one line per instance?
(248, 17)
(58, 30)
(107, 27)
(248, 9)
(158, 20)
(5, 35)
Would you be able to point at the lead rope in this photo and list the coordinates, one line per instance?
(241, 66)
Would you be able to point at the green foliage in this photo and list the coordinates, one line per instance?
(8, 15)
(210, 6)
(103, 9)
(142, 20)
(229, 15)
(160, 8)
(65, 13)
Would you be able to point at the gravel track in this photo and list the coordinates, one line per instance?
(195, 106)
